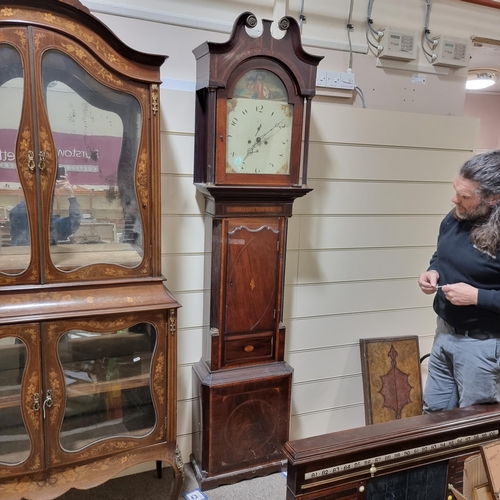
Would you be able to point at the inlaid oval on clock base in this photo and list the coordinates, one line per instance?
(253, 103)
(250, 408)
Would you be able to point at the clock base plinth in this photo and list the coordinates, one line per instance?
(243, 417)
(206, 482)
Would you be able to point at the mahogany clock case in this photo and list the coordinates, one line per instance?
(250, 146)
(219, 68)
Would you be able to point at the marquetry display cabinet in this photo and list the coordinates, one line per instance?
(87, 327)
(253, 104)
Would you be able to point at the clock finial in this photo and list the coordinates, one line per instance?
(284, 23)
(251, 21)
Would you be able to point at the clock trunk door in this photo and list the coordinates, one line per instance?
(253, 276)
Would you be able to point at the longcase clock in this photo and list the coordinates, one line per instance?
(253, 103)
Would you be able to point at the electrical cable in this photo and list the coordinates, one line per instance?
(302, 18)
(425, 35)
(360, 92)
(369, 28)
(369, 21)
(349, 28)
(427, 31)
(369, 42)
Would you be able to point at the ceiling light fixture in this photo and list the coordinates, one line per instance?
(481, 78)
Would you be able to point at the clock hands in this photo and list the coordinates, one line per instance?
(258, 139)
(271, 129)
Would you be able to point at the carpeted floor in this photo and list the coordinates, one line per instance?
(147, 486)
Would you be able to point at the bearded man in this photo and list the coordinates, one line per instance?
(464, 273)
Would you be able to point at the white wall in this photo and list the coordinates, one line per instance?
(381, 177)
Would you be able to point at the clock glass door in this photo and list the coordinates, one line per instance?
(259, 126)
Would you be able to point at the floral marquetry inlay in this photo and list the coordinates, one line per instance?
(90, 324)
(37, 39)
(32, 388)
(85, 58)
(161, 433)
(6, 12)
(49, 18)
(22, 37)
(106, 448)
(171, 322)
(55, 386)
(65, 478)
(142, 178)
(158, 379)
(25, 145)
(154, 98)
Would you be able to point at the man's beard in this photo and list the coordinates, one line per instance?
(482, 211)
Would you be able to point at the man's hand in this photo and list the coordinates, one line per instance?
(461, 294)
(427, 282)
(63, 183)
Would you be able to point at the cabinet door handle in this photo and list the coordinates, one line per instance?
(36, 402)
(47, 403)
(41, 161)
(31, 161)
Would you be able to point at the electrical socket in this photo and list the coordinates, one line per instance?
(321, 78)
(333, 79)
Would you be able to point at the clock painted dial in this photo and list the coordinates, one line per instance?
(259, 136)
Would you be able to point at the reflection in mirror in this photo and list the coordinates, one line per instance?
(14, 228)
(95, 216)
(15, 445)
(108, 385)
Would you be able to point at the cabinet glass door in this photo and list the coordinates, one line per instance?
(14, 226)
(96, 130)
(15, 442)
(104, 392)
(20, 399)
(107, 379)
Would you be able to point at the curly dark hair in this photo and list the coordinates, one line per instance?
(485, 170)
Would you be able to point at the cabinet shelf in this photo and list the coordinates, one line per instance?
(69, 256)
(10, 401)
(84, 389)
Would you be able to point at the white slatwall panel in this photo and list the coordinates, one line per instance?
(375, 198)
(308, 397)
(343, 125)
(346, 161)
(324, 232)
(318, 266)
(321, 332)
(382, 183)
(323, 422)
